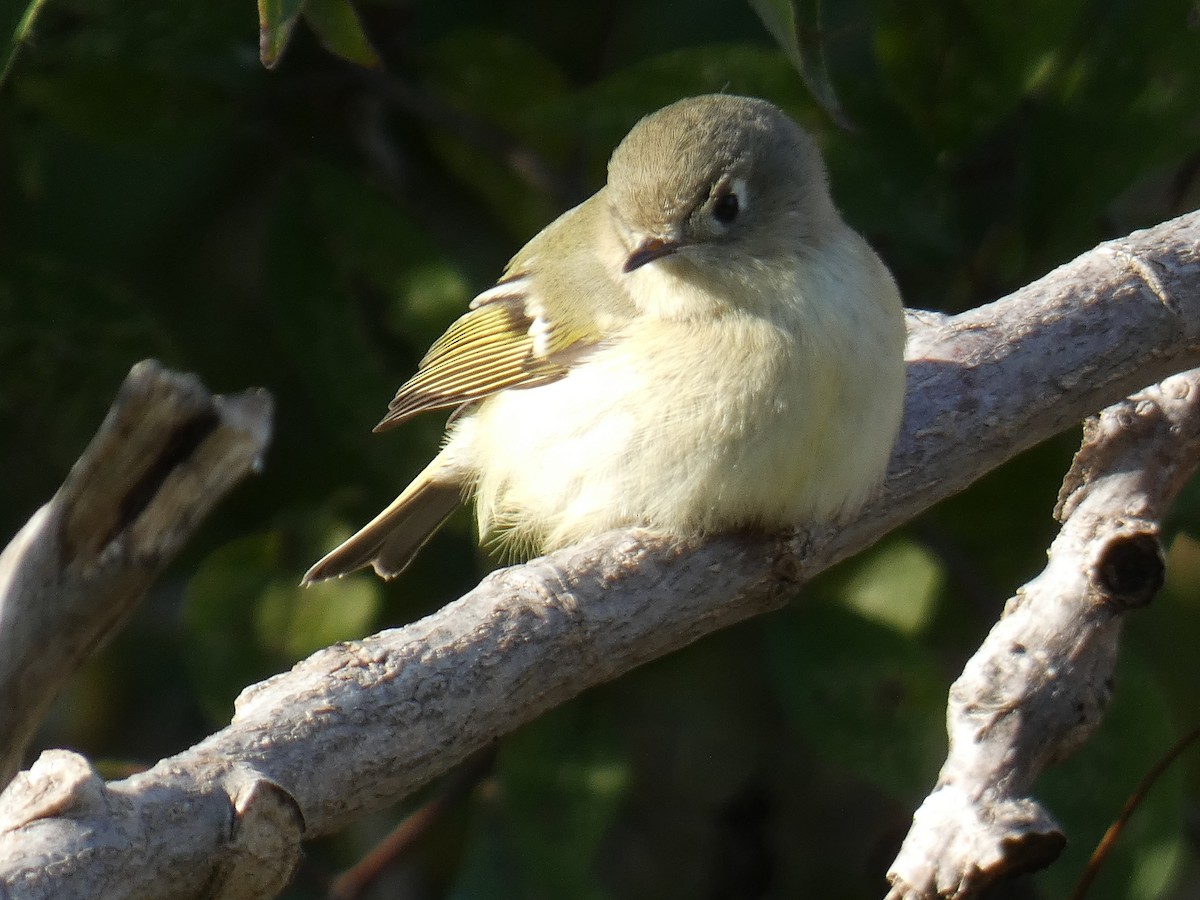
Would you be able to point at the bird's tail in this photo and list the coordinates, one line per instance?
(391, 540)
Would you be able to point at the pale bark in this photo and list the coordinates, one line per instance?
(1039, 685)
(165, 454)
(360, 724)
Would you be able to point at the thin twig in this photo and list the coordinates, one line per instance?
(1104, 848)
(354, 882)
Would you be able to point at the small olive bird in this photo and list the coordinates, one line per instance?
(702, 344)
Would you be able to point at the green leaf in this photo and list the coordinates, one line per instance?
(896, 585)
(276, 20)
(20, 34)
(339, 30)
(796, 26)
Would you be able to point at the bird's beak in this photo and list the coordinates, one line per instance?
(648, 250)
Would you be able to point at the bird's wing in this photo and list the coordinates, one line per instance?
(509, 339)
(489, 349)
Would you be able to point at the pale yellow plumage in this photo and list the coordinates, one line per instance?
(702, 344)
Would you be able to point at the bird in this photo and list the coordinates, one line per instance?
(702, 345)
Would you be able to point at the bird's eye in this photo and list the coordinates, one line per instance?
(726, 207)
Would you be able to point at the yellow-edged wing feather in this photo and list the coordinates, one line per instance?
(487, 350)
(508, 339)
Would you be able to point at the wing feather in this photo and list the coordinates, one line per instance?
(489, 349)
(509, 339)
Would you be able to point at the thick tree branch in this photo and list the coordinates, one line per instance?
(358, 725)
(165, 454)
(1039, 685)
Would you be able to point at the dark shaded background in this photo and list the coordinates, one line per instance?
(313, 228)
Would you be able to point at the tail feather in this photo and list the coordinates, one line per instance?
(391, 540)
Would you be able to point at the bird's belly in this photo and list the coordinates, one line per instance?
(712, 429)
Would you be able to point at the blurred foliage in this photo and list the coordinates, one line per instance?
(313, 228)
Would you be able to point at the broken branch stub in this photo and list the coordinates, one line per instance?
(167, 451)
(1037, 688)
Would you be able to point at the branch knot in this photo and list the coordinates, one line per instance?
(1130, 569)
